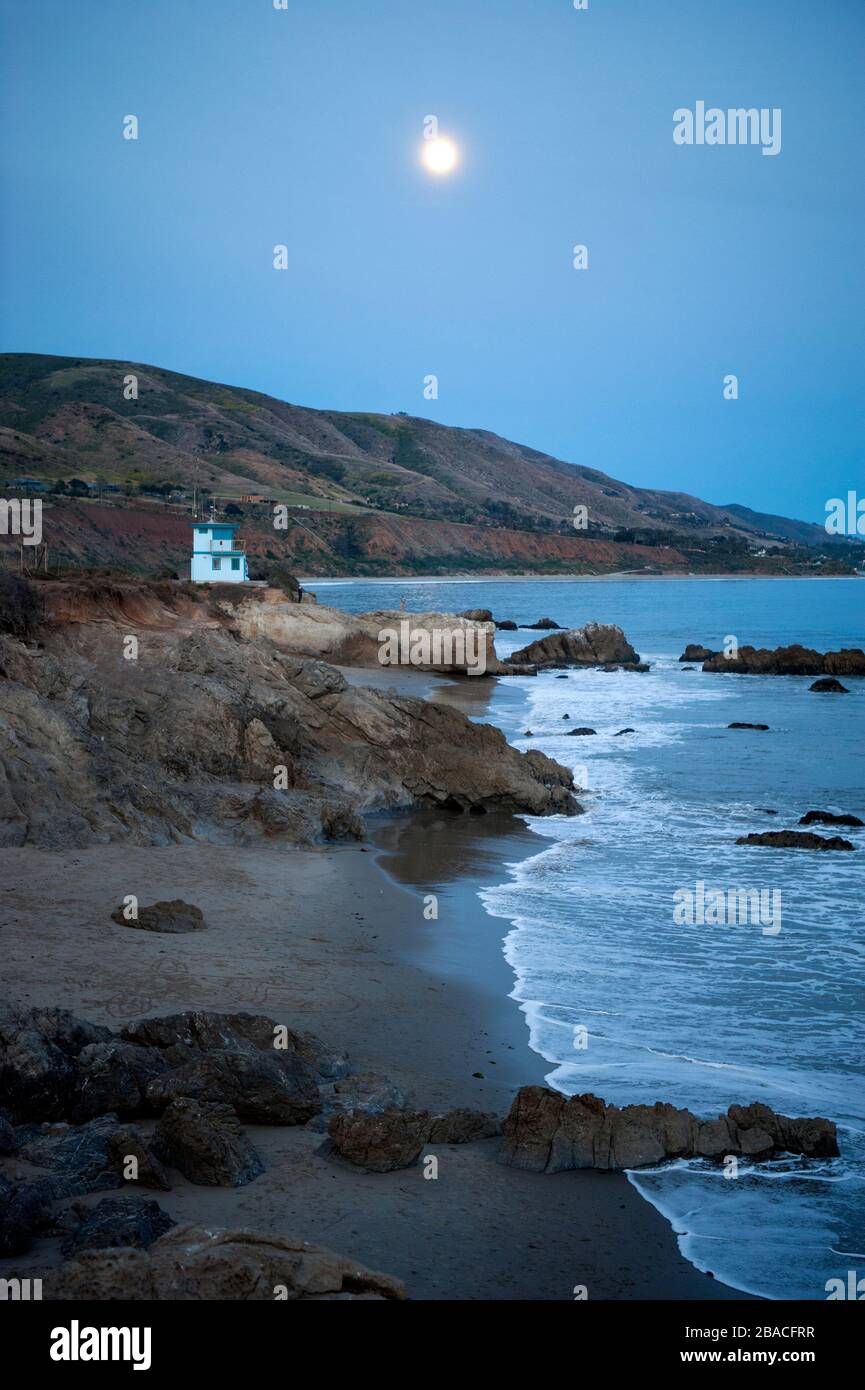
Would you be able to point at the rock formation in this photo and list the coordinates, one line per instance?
(174, 917)
(546, 1132)
(789, 661)
(193, 1265)
(596, 644)
(396, 1138)
(794, 839)
(829, 818)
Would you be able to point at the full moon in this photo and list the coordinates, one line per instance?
(440, 156)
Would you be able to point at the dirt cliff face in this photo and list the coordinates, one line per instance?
(201, 733)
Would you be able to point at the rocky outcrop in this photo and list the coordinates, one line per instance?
(694, 652)
(262, 1089)
(193, 1265)
(596, 644)
(205, 1142)
(39, 1050)
(546, 1132)
(739, 725)
(542, 625)
(794, 839)
(212, 736)
(395, 1139)
(829, 818)
(789, 661)
(173, 917)
(828, 685)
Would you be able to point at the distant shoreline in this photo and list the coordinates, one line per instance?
(557, 578)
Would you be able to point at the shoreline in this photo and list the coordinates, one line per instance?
(492, 578)
(322, 940)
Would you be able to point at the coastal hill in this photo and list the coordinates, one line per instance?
(367, 493)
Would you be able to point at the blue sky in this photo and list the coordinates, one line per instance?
(303, 127)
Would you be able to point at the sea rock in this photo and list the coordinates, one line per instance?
(581, 732)
(794, 839)
(478, 615)
(547, 1132)
(794, 660)
(381, 1142)
(595, 644)
(506, 626)
(190, 1264)
(543, 624)
(829, 818)
(694, 652)
(624, 731)
(171, 917)
(738, 725)
(205, 1142)
(115, 1222)
(828, 685)
(39, 1051)
(262, 1088)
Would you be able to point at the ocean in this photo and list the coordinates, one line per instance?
(623, 999)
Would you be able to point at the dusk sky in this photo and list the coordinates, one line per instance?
(304, 126)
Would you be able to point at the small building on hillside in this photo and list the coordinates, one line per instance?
(217, 558)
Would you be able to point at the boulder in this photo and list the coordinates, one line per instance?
(206, 1144)
(39, 1051)
(694, 652)
(78, 1158)
(190, 1264)
(478, 615)
(262, 1088)
(794, 839)
(463, 1127)
(113, 1077)
(546, 1132)
(206, 1031)
(828, 685)
(367, 1092)
(542, 625)
(8, 1137)
(127, 1143)
(116, 1222)
(172, 917)
(830, 818)
(596, 644)
(583, 732)
(382, 1142)
(506, 626)
(24, 1211)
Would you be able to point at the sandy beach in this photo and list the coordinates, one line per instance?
(326, 940)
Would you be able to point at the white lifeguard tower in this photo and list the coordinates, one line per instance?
(217, 558)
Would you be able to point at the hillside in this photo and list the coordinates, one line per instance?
(369, 493)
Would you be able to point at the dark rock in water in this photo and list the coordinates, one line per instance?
(624, 731)
(39, 1051)
(115, 1222)
(583, 733)
(767, 810)
(562, 676)
(506, 626)
(206, 1144)
(24, 1211)
(543, 625)
(463, 1127)
(789, 661)
(114, 1076)
(263, 1088)
(172, 917)
(828, 685)
(478, 615)
(528, 734)
(596, 644)
(566, 716)
(128, 1143)
(695, 652)
(829, 818)
(206, 1030)
(547, 1132)
(794, 839)
(738, 725)
(190, 1264)
(688, 668)
(381, 1143)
